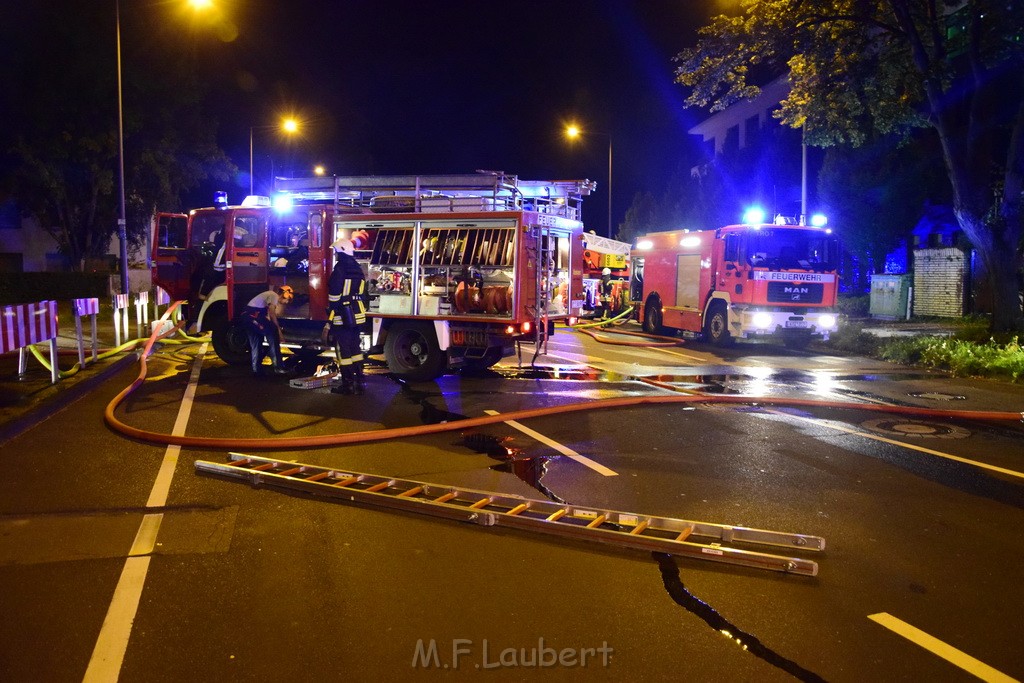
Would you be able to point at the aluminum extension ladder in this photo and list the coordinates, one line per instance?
(623, 529)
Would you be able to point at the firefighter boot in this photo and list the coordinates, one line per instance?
(359, 384)
(346, 382)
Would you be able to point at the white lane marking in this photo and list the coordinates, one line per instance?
(564, 450)
(922, 449)
(112, 642)
(937, 647)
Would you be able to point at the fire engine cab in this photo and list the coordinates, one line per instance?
(460, 269)
(753, 281)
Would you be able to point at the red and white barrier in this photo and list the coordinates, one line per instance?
(120, 303)
(25, 324)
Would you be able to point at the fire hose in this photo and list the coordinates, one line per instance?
(325, 440)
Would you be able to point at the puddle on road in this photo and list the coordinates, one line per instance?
(530, 470)
(682, 596)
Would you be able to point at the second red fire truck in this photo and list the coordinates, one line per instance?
(460, 268)
(739, 282)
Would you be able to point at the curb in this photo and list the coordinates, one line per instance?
(48, 408)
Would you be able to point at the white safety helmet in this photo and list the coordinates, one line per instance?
(606, 271)
(345, 245)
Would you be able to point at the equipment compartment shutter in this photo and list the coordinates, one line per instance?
(688, 280)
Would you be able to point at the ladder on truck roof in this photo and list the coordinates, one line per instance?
(505, 192)
(624, 529)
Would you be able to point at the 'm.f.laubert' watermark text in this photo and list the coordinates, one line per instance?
(465, 652)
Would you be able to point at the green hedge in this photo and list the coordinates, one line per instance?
(23, 288)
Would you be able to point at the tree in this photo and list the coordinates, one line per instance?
(859, 68)
(58, 148)
(873, 192)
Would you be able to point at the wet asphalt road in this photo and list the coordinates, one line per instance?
(921, 517)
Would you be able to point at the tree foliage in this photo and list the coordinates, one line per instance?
(60, 143)
(860, 69)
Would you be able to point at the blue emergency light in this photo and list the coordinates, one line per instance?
(220, 199)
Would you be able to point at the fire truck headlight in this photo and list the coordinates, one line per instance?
(762, 320)
(827, 320)
(644, 244)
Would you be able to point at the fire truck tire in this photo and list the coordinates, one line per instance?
(652, 316)
(716, 326)
(412, 352)
(229, 340)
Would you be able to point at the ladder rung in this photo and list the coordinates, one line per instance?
(684, 534)
(264, 467)
(347, 481)
(318, 476)
(481, 503)
(378, 487)
(518, 508)
(411, 492)
(598, 521)
(446, 497)
(289, 472)
(639, 528)
(557, 515)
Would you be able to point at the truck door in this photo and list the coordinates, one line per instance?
(172, 262)
(247, 254)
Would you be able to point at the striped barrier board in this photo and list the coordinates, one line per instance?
(120, 302)
(83, 307)
(26, 324)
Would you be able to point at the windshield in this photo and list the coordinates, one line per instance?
(790, 249)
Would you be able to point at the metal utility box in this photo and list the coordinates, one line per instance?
(889, 295)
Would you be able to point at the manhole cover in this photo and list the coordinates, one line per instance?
(922, 430)
(937, 396)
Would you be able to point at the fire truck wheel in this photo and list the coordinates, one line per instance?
(652, 316)
(412, 352)
(229, 341)
(716, 326)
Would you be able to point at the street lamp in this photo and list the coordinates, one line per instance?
(289, 125)
(122, 220)
(319, 170)
(572, 132)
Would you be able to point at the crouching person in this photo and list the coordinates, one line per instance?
(261, 325)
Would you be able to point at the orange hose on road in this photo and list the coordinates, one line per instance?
(288, 443)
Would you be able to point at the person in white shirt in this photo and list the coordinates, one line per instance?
(260, 320)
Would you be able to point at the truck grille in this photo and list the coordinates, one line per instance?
(795, 292)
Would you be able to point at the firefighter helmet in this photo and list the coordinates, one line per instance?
(606, 271)
(344, 245)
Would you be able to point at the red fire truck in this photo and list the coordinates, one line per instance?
(739, 282)
(460, 268)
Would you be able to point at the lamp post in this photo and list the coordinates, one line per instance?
(572, 132)
(289, 125)
(122, 218)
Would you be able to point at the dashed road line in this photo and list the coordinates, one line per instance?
(937, 647)
(564, 450)
(921, 449)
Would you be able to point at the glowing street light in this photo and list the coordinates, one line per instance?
(122, 220)
(572, 131)
(319, 170)
(289, 125)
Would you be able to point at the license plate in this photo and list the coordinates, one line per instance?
(796, 323)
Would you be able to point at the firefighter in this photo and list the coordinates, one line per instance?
(260, 321)
(346, 312)
(604, 294)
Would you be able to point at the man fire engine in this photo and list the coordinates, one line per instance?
(739, 282)
(459, 268)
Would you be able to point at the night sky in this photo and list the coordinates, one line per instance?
(407, 87)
